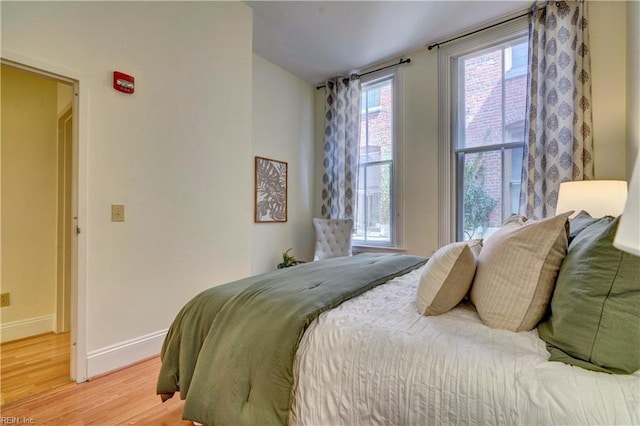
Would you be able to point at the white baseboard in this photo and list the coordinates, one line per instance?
(125, 353)
(26, 328)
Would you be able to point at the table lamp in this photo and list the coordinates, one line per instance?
(596, 197)
(628, 234)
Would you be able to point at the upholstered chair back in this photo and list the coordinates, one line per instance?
(333, 237)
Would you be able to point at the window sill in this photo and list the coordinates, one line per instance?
(357, 249)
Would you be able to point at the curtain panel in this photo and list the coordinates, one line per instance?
(341, 141)
(559, 145)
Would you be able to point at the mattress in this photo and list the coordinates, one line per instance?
(376, 360)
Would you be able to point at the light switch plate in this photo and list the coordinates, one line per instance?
(117, 213)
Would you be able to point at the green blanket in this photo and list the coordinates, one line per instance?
(230, 350)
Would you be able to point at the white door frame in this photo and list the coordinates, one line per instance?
(65, 221)
(78, 349)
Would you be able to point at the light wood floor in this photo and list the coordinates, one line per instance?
(126, 396)
(33, 365)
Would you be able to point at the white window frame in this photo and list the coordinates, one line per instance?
(447, 112)
(396, 186)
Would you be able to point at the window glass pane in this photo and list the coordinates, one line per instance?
(369, 154)
(515, 97)
(493, 103)
(516, 59)
(513, 158)
(376, 124)
(514, 132)
(482, 85)
(491, 190)
(481, 194)
(370, 99)
(373, 218)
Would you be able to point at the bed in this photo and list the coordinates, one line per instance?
(376, 360)
(369, 356)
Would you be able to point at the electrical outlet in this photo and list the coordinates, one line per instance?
(117, 213)
(4, 300)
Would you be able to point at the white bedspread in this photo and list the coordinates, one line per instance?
(376, 360)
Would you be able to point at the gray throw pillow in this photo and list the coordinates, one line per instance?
(579, 223)
(595, 309)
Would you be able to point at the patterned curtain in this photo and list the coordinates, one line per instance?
(559, 124)
(341, 140)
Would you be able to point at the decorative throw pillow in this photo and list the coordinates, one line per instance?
(579, 223)
(447, 277)
(517, 270)
(595, 310)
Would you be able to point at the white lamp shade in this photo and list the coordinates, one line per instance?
(596, 197)
(628, 235)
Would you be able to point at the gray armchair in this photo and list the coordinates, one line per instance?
(333, 237)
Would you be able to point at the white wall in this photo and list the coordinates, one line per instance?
(420, 153)
(608, 41)
(177, 152)
(283, 131)
(420, 123)
(633, 84)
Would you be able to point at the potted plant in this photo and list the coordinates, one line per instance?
(288, 260)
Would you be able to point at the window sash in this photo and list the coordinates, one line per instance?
(492, 147)
(459, 63)
(500, 199)
(374, 82)
(365, 204)
(507, 184)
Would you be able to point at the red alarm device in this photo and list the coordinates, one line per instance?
(123, 82)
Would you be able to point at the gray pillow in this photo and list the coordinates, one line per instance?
(595, 308)
(579, 223)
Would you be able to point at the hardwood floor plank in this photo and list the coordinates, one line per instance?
(33, 365)
(124, 397)
(35, 384)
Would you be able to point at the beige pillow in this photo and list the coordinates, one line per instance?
(447, 277)
(516, 272)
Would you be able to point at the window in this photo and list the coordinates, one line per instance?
(482, 134)
(375, 209)
(516, 60)
(371, 101)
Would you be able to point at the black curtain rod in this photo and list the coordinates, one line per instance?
(431, 46)
(402, 61)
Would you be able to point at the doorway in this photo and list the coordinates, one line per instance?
(38, 253)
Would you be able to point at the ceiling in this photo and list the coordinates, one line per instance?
(317, 40)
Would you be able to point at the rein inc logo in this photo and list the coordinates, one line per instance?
(15, 420)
